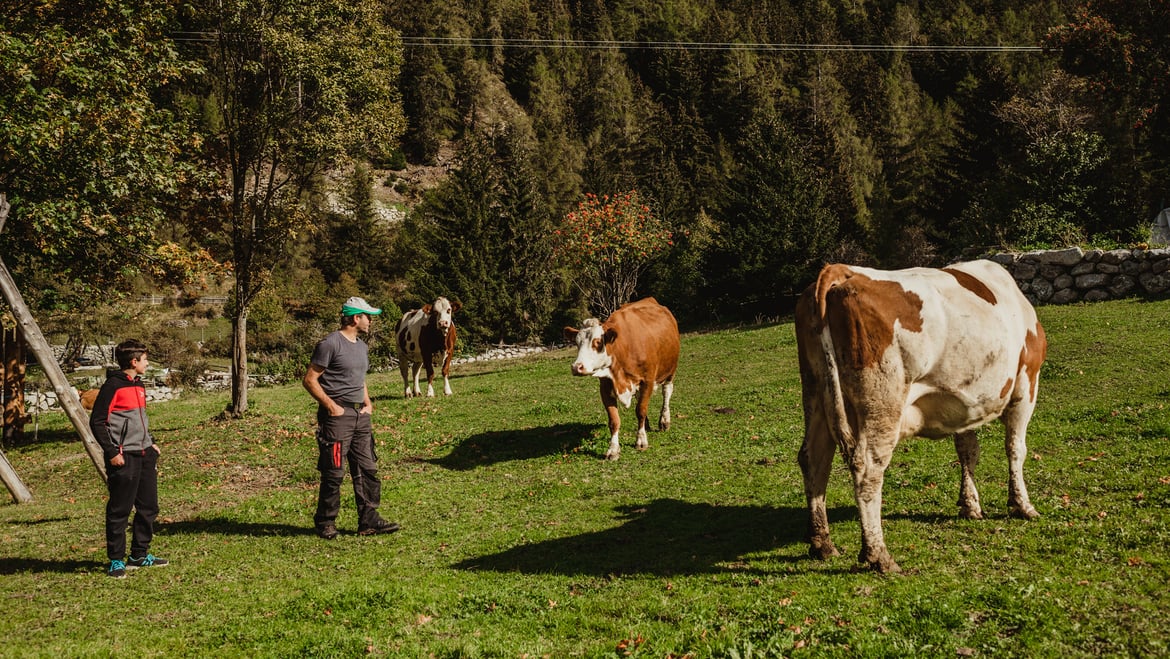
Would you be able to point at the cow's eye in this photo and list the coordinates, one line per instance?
(597, 345)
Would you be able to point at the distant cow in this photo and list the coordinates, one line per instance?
(635, 349)
(88, 397)
(885, 355)
(426, 337)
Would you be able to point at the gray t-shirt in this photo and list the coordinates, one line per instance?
(345, 364)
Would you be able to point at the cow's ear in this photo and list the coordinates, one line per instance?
(426, 309)
(571, 333)
(610, 335)
(456, 306)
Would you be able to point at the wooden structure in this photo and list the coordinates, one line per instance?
(12, 368)
(27, 326)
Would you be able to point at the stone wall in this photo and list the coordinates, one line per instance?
(36, 402)
(39, 401)
(1073, 275)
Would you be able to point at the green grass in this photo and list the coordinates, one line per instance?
(519, 540)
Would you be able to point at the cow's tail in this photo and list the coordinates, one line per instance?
(838, 423)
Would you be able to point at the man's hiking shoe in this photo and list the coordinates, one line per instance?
(327, 532)
(150, 560)
(381, 527)
(116, 570)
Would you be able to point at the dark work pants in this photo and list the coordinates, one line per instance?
(133, 485)
(348, 437)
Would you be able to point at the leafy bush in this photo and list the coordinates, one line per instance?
(170, 348)
(607, 243)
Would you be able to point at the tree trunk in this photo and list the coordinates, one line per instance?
(239, 404)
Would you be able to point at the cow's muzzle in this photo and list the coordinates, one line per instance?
(579, 369)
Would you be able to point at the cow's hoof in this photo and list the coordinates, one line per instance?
(970, 513)
(883, 565)
(1023, 512)
(822, 550)
(612, 456)
(663, 426)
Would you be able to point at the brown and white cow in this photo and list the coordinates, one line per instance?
(426, 337)
(634, 350)
(885, 355)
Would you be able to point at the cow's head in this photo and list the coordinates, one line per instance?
(442, 313)
(592, 357)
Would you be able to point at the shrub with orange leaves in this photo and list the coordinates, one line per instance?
(608, 242)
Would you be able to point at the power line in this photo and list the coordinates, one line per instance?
(616, 44)
(611, 44)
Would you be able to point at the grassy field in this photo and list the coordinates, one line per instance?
(518, 540)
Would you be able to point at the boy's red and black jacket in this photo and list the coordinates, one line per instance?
(118, 420)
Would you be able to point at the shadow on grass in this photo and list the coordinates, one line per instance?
(665, 537)
(31, 437)
(394, 389)
(223, 526)
(38, 565)
(505, 445)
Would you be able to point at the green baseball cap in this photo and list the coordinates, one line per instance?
(356, 305)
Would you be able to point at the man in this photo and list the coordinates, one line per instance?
(337, 381)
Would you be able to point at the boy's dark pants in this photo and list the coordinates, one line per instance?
(349, 437)
(133, 485)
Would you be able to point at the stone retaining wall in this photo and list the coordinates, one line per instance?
(44, 401)
(1074, 275)
(503, 352)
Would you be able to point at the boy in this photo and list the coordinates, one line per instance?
(119, 423)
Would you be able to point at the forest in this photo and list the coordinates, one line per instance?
(291, 153)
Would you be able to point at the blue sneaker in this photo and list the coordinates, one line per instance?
(150, 560)
(116, 570)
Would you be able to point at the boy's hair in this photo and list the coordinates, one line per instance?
(351, 320)
(127, 351)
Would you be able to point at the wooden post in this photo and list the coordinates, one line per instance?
(66, 395)
(12, 372)
(19, 492)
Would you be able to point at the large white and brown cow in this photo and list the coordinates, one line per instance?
(426, 338)
(633, 351)
(885, 355)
